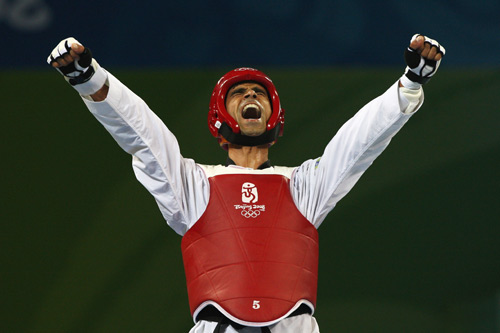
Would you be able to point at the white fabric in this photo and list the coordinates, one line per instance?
(299, 324)
(409, 84)
(180, 186)
(412, 100)
(95, 83)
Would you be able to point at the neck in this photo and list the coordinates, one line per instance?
(248, 157)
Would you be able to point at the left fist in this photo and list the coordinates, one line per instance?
(422, 58)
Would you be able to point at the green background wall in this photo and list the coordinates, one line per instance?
(413, 248)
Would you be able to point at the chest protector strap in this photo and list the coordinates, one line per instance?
(252, 254)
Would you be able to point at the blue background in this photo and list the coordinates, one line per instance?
(281, 33)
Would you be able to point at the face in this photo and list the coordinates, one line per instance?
(248, 103)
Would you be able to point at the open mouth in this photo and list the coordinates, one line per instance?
(251, 111)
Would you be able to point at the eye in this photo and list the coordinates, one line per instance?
(237, 92)
(260, 92)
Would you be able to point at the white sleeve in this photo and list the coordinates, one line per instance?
(178, 185)
(317, 185)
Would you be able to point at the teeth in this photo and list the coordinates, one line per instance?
(250, 106)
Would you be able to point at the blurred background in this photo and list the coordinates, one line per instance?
(413, 248)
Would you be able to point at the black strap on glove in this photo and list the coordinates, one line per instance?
(85, 73)
(418, 72)
(420, 69)
(77, 72)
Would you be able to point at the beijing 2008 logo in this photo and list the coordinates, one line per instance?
(249, 198)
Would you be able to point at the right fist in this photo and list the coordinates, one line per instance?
(72, 60)
(422, 58)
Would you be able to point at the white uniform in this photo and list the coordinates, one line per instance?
(181, 189)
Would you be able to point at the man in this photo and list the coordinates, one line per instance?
(250, 243)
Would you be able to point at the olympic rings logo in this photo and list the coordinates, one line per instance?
(250, 213)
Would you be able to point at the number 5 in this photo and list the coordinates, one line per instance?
(256, 305)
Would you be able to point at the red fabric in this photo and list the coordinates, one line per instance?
(256, 266)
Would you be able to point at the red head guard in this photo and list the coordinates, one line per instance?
(225, 128)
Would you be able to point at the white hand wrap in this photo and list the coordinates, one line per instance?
(84, 74)
(419, 70)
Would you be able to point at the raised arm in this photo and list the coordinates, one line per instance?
(317, 185)
(178, 184)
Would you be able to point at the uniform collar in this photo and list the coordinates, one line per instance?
(265, 165)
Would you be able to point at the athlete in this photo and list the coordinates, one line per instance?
(250, 241)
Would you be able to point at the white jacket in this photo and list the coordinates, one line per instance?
(180, 185)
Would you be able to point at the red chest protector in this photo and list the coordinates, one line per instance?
(252, 254)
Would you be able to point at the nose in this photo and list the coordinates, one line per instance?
(250, 93)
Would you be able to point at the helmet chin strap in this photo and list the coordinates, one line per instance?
(251, 141)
